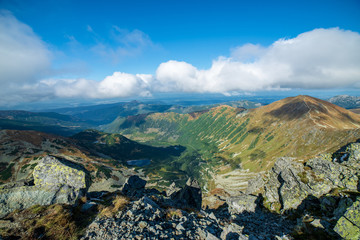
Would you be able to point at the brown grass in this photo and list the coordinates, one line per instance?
(117, 204)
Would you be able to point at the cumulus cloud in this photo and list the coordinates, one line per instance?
(322, 58)
(117, 85)
(24, 57)
(318, 59)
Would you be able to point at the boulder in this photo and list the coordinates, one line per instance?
(189, 195)
(336, 174)
(52, 173)
(348, 226)
(55, 181)
(172, 189)
(288, 183)
(242, 203)
(133, 185)
(25, 197)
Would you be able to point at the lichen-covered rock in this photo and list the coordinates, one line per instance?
(335, 173)
(255, 185)
(25, 197)
(53, 173)
(288, 183)
(348, 226)
(244, 202)
(55, 181)
(284, 186)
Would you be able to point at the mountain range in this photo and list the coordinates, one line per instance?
(346, 101)
(269, 151)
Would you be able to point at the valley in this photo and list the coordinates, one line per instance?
(230, 153)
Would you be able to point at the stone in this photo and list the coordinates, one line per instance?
(317, 223)
(55, 181)
(242, 203)
(348, 226)
(343, 205)
(288, 183)
(172, 189)
(52, 173)
(87, 206)
(133, 184)
(255, 184)
(190, 195)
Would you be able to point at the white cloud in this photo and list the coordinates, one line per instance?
(322, 58)
(248, 52)
(318, 59)
(24, 57)
(117, 85)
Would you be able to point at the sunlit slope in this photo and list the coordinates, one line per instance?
(299, 127)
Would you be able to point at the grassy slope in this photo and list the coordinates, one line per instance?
(300, 127)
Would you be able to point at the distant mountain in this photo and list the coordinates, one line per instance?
(299, 127)
(106, 113)
(346, 101)
(50, 122)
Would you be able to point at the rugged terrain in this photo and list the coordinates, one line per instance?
(316, 200)
(231, 139)
(346, 101)
(288, 170)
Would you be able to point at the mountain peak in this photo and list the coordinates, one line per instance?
(320, 112)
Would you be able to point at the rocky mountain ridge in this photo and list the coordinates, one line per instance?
(346, 101)
(319, 199)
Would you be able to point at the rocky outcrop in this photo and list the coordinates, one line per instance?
(133, 186)
(190, 195)
(52, 173)
(158, 216)
(145, 219)
(348, 226)
(288, 183)
(55, 181)
(242, 203)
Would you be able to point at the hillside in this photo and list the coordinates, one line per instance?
(50, 122)
(228, 138)
(106, 113)
(109, 157)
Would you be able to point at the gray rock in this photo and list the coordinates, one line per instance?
(172, 189)
(348, 226)
(51, 173)
(190, 195)
(241, 203)
(255, 184)
(87, 206)
(25, 197)
(288, 183)
(343, 205)
(55, 182)
(233, 232)
(133, 184)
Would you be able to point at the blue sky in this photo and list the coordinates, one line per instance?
(116, 49)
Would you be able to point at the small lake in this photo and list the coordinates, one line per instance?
(139, 163)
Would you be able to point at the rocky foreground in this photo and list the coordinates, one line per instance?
(318, 199)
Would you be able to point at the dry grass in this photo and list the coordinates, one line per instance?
(173, 213)
(117, 204)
